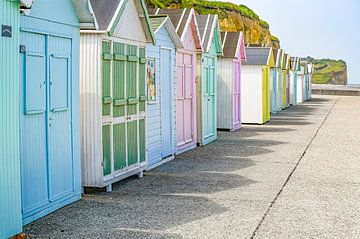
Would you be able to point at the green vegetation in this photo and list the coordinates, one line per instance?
(264, 24)
(206, 7)
(323, 70)
(275, 38)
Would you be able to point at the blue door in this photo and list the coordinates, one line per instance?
(166, 102)
(45, 123)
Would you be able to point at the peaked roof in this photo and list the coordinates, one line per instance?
(233, 45)
(295, 64)
(262, 56)
(181, 19)
(209, 30)
(157, 22)
(104, 15)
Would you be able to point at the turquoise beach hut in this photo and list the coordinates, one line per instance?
(10, 201)
(49, 108)
(161, 92)
(209, 30)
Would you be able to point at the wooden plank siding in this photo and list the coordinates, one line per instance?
(10, 194)
(154, 110)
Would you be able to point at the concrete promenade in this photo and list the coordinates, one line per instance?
(295, 177)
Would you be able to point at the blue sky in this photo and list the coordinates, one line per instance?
(319, 28)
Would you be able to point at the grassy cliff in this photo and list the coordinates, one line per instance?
(232, 18)
(327, 71)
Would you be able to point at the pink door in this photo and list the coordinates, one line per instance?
(185, 96)
(236, 95)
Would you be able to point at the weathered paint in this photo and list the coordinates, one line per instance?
(49, 109)
(113, 100)
(161, 114)
(10, 195)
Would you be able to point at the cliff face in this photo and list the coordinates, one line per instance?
(232, 18)
(327, 71)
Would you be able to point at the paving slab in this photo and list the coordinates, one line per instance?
(234, 187)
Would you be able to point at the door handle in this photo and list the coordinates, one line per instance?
(128, 118)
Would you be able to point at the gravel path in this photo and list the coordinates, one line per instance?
(295, 177)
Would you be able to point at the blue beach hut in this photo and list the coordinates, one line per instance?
(10, 201)
(161, 92)
(49, 108)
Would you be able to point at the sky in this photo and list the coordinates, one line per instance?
(318, 28)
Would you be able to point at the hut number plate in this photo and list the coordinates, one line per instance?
(6, 31)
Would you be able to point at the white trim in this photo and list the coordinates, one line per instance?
(161, 25)
(93, 31)
(181, 19)
(205, 29)
(157, 11)
(223, 43)
(115, 15)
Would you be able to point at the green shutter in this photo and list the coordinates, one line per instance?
(131, 78)
(118, 80)
(142, 65)
(119, 146)
(142, 140)
(132, 143)
(106, 149)
(106, 62)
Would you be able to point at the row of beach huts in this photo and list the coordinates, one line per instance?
(95, 91)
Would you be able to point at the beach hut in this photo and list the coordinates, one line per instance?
(275, 81)
(301, 74)
(310, 70)
(255, 85)
(284, 82)
(229, 80)
(279, 63)
(49, 108)
(113, 44)
(184, 21)
(161, 92)
(287, 72)
(294, 68)
(206, 82)
(10, 194)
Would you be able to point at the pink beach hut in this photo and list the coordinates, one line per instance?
(229, 78)
(184, 21)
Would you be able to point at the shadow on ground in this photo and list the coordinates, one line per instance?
(173, 194)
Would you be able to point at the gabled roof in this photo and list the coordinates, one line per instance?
(287, 62)
(233, 45)
(157, 22)
(209, 30)
(295, 66)
(262, 56)
(181, 19)
(85, 14)
(104, 15)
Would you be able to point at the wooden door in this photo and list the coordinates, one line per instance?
(185, 99)
(166, 103)
(60, 161)
(123, 106)
(208, 98)
(45, 122)
(236, 94)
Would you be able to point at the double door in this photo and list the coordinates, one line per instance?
(185, 99)
(208, 98)
(236, 94)
(123, 107)
(47, 161)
